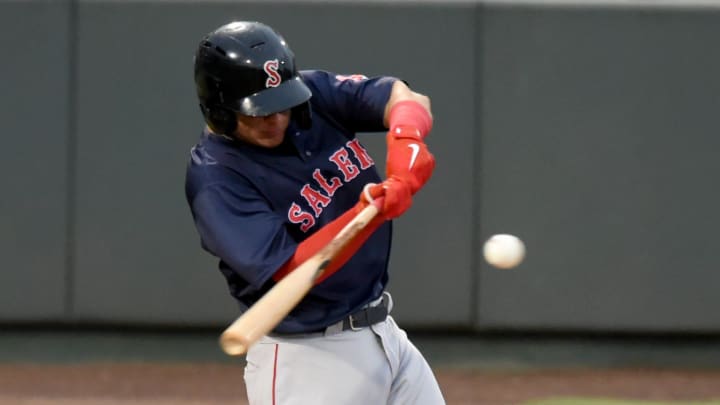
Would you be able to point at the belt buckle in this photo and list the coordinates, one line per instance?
(351, 321)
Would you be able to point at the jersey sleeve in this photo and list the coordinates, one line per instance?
(355, 101)
(238, 227)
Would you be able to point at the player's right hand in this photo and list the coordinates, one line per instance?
(397, 195)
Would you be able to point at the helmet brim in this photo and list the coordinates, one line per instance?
(287, 95)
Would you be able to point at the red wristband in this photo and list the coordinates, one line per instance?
(410, 113)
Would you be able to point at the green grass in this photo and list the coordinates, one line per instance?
(602, 401)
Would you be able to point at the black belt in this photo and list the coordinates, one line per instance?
(358, 320)
(366, 316)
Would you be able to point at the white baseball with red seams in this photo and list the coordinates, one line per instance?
(504, 251)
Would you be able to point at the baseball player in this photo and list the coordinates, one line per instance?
(276, 174)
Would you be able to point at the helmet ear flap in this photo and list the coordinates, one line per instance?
(219, 119)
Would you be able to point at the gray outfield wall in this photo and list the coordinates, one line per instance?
(590, 132)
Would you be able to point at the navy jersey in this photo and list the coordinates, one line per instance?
(252, 206)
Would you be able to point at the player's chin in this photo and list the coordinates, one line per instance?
(271, 140)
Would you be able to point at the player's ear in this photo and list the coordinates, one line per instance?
(220, 120)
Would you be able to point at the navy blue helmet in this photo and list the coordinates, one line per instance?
(247, 68)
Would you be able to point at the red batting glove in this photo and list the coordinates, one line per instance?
(397, 195)
(408, 158)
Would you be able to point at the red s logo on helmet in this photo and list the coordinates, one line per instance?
(271, 68)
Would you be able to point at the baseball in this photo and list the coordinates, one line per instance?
(504, 251)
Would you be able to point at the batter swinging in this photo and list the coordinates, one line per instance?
(276, 174)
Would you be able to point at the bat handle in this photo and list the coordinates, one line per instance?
(378, 203)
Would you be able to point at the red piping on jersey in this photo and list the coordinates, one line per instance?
(274, 373)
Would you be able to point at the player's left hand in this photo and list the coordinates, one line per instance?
(396, 193)
(408, 157)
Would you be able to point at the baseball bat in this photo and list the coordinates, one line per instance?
(268, 311)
